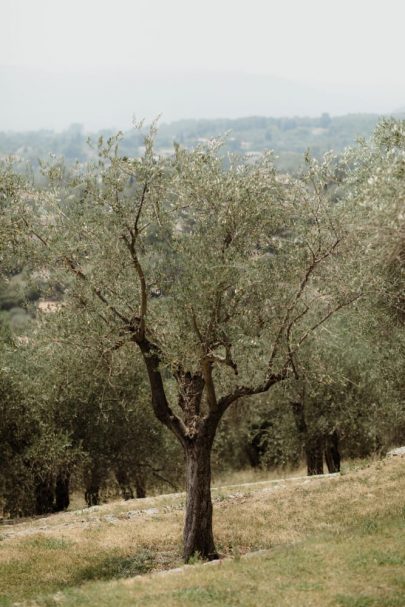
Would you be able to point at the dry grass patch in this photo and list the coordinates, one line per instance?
(286, 514)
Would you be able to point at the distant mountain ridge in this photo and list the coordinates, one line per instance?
(34, 99)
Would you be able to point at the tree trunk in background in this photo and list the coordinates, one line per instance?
(124, 483)
(44, 496)
(62, 498)
(93, 485)
(314, 455)
(332, 454)
(140, 486)
(92, 495)
(198, 534)
(313, 445)
(257, 446)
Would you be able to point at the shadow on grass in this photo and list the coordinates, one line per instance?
(115, 567)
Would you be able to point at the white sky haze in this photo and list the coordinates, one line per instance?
(354, 43)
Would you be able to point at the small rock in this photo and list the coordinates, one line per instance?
(395, 452)
(213, 563)
(132, 513)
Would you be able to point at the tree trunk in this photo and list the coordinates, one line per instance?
(196, 435)
(332, 454)
(92, 496)
(198, 535)
(257, 446)
(124, 483)
(92, 486)
(62, 492)
(140, 487)
(44, 496)
(314, 455)
(313, 445)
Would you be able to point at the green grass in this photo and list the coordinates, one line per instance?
(337, 542)
(325, 570)
(113, 567)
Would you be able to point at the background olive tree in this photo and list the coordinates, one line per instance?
(99, 397)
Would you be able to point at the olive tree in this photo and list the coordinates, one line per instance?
(376, 184)
(35, 452)
(98, 396)
(216, 270)
(345, 399)
(352, 389)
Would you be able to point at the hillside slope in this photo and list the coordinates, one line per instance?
(333, 541)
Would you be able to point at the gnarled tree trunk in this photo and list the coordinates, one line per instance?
(198, 534)
(195, 432)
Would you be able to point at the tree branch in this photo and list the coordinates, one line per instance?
(151, 356)
(241, 391)
(325, 318)
(139, 212)
(195, 325)
(300, 291)
(209, 384)
(142, 280)
(96, 290)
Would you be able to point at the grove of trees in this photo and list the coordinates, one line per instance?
(288, 137)
(209, 295)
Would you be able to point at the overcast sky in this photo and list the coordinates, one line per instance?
(345, 42)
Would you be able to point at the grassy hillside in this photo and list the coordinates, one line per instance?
(333, 541)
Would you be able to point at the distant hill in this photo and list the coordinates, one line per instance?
(44, 99)
(289, 137)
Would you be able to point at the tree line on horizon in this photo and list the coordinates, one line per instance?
(289, 137)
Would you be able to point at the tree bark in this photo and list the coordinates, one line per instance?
(314, 455)
(62, 498)
(93, 485)
(44, 496)
(160, 404)
(257, 446)
(313, 445)
(92, 496)
(198, 535)
(124, 484)
(140, 487)
(196, 436)
(332, 454)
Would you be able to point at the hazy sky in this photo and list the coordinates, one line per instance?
(320, 40)
(345, 42)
